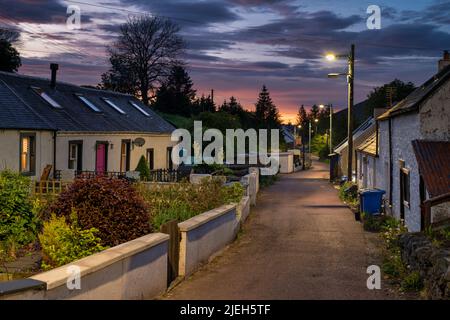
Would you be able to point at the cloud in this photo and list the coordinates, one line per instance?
(36, 11)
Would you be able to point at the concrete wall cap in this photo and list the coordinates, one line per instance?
(58, 277)
(205, 217)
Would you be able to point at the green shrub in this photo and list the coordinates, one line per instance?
(372, 223)
(110, 205)
(348, 192)
(63, 243)
(18, 222)
(412, 282)
(184, 200)
(232, 193)
(143, 168)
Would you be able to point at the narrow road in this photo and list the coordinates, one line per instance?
(300, 242)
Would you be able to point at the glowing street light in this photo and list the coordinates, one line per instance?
(350, 80)
(330, 57)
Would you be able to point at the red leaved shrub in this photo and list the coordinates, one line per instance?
(110, 205)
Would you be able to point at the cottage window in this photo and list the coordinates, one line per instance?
(125, 151)
(114, 106)
(88, 103)
(169, 158)
(405, 186)
(75, 155)
(151, 158)
(28, 153)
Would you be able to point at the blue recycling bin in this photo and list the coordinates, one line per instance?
(371, 200)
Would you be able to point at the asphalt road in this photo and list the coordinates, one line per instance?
(300, 242)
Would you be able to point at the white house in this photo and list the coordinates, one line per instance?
(44, 123)
(410, 158)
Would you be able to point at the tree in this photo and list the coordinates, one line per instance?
(143, 169)
(232, 107)
(302, 117)
(266, 113)
(176, 95)
(146, 50)
(9, 57)
(120, 78)
(204, 104)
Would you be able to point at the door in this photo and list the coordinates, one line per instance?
(101, 158)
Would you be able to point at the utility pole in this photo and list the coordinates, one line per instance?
(331, 128)
(350, 79)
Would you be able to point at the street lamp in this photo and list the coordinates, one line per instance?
(350, 80)
(330, 106)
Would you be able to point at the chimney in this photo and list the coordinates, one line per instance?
(445, 61)
(54, 67)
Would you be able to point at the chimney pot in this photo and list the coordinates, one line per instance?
(54, 67)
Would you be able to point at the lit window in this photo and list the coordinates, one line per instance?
(114, 106)
(28, 153)
(47, 98)
(92, 106)
(140, 109)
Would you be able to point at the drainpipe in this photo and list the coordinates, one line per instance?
(54, 154)
(391, 168)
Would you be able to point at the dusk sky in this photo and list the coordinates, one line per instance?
(236, 46)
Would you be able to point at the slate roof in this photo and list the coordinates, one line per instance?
(22, 108)
(369, 146)
(413, 101)
(358, 132)
(434, 165)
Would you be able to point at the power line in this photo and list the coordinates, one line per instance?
(252, 29)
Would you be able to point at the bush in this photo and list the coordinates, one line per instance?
(63, 243)
(412, 282)
(143, 168)
(18, 222)
(349, 193)
(232, 193)
(266, 181)
(110, 205)
(184, 200)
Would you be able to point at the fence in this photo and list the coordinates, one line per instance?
(48, 187)
(167, 175)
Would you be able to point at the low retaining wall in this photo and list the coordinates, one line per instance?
(243, 209)
(251, 180)
(133, 270)
(431, 262)
(204, 235)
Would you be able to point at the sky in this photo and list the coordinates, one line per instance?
(237, 46)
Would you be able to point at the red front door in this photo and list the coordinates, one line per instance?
(100, 162)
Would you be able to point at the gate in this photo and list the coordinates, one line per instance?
(171, 228)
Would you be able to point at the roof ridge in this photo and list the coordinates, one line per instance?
(25, 76)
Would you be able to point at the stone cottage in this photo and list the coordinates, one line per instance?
(414, 172)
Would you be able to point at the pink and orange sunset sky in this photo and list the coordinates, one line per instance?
(236, 46)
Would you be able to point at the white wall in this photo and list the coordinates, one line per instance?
(10, 150)
(158, 142)
(405, 129)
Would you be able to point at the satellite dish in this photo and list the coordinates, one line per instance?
(139, 142)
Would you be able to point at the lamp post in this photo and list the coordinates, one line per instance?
(330, 107)
(350, 80)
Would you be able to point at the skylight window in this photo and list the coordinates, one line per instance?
(92, 106)
(140, 109)
(114, 106)
(47, 98)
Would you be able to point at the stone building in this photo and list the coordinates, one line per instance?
(406, 165)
